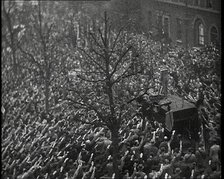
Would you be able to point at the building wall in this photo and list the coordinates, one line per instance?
(188, 13)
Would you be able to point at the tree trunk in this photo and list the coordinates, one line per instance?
(12, 40)
(115, 154)
(47, 85)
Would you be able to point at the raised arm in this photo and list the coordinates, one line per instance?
(142, 141)
(93, 174)
(153, 137)
(122, 159)
(77, 171)
(172, 135)
(97, 135)
(159, 173)
(168, 143)
(127, 139)
(134, 172)
(90, 159)
(181, 148)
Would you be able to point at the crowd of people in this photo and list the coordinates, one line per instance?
(40, 149)
(34, 147)
(195, 75)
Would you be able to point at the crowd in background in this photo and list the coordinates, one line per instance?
(33, 147)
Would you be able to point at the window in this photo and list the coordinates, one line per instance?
(196, 2)
(179, 29)
(150, 20)
(201, 36)
(209, 3)
(214, 35)
(182, 1)
(159, 21)
(159, 24)
(199, 32)
(166, 25)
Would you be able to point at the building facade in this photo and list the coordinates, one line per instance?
(186, 22)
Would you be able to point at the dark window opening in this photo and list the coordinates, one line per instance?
(179, 29)
(214, 35)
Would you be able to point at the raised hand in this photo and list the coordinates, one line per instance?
(108, 147)
(109, 157)
(93, 174)
(141, 155)
(90, 159)
(173, 132)
(126, 153)
(135, 165)
(172, 136)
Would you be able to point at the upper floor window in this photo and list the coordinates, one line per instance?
(213, 35)
(159, 22)
(209, 3)
(182, 1)
(199, 31)
(150, 20)
(201, 34)
(166, 25)
(179, 29)
(196, 2)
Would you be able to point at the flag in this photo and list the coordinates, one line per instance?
(169, 120)
(164, 81)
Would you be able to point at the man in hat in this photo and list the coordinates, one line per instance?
(214, 153)
(189, 157)
(139, 174)
(156, 172)
(177, 173)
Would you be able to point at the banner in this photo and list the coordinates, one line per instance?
(169, 120)
(164, 81)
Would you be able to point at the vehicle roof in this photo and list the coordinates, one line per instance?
(176, 103)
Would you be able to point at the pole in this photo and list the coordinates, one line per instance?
(186, 24)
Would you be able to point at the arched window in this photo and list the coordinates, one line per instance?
(199, 31)
(214, 35)
(196, 2)
(201, 34)
(150, 20)
(209, 3)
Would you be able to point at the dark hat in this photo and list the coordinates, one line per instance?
(177, 169)
(155, 167)
(140, 166)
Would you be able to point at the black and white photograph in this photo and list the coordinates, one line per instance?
(111, 89)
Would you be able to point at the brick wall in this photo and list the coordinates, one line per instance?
(209, 17)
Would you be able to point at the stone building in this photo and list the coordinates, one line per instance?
(186, 22)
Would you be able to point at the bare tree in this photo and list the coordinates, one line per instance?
(109, 72)
(10, 32)
(43, 51)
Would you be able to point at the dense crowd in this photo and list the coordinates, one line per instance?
(57, 150)
(34, 147)
(195, 75)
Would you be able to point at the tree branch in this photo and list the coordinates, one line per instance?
(115, 41)
(95, 123)
(122, 76)
(95, 40)
(119, 60)
(91, 81)
(87, 107)
(32, 58)
(99, 65)
(97, 53)
(101, 37)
